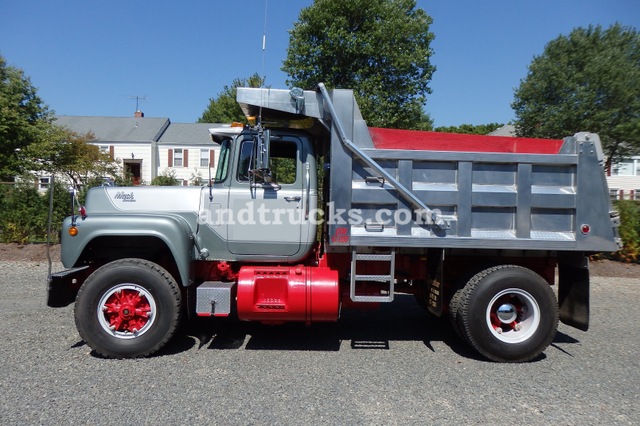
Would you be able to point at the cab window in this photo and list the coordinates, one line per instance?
(223, 162)
(244, 163)
(284, 162)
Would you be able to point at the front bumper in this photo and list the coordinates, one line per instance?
(64, 285)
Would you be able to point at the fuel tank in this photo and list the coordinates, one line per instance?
(276, 294)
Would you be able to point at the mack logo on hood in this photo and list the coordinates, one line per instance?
(125, 197)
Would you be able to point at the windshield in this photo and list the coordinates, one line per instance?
(223, 162)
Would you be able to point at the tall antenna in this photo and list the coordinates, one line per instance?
(264, 53)
(264, 41)
(138, 99)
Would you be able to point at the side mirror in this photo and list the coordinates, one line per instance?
(261, 144)
(262, 147)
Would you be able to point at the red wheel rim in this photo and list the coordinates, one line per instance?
(126, 311)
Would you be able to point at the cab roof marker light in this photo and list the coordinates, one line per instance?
(225, 131)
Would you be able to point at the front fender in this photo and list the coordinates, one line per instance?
(173, 230)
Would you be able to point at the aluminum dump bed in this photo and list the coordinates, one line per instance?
(399, 188)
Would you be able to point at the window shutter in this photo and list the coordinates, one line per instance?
(185, 154)
(212, 158)
(170, 164)
(111, 156)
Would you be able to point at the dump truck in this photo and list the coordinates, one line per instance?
(311, 212)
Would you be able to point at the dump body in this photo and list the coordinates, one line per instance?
(485, 192)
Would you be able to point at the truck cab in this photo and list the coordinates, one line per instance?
(259, 206)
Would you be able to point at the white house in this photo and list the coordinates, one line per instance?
(187, 148)
(624, 179)
(147, 147)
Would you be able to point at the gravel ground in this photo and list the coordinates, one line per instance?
(395, 365)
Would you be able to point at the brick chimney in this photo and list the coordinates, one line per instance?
(138, 114)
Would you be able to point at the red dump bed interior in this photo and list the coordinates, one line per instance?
(435, 141)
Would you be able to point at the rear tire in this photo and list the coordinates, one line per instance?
(508, 313)
(128, 308)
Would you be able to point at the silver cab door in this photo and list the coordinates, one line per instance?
(266, 219)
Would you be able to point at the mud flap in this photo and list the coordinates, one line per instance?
(63, 286)
(573, 290)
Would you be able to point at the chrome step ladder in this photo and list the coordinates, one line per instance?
(386, 258)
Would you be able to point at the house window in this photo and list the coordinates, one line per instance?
(44, 183)
(204, 158)
(623, 168)
(177, 157)
(106, 150)
(613, 193)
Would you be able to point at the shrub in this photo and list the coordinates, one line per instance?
(24, 213)
(166, 178)
(629, 231)
(196, 178)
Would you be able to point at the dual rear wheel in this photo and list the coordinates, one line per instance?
(507, 313)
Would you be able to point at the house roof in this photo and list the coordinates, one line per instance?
(138, 129)
(187, 134)
(506, 130)
(116, 129)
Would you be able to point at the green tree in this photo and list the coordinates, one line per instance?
(70, 154)
(378, 48)
(24, 120)
(471, 129)
(224, 108)
(586, 81)
(31, 142)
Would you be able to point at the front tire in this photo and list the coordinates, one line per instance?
(128, 308)
(508, 313)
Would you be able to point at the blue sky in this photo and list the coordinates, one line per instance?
(90, 57)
